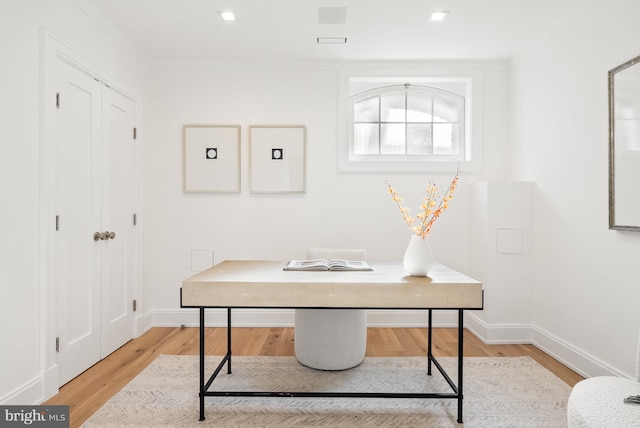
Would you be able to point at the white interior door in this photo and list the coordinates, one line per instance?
(117, 219)
(78, 256)
(94, 182)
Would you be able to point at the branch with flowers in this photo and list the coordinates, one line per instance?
(431, 210)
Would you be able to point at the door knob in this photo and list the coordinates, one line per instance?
(104, 236)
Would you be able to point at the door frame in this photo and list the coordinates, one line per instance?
(53, 49)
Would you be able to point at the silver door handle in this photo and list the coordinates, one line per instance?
(104, 236)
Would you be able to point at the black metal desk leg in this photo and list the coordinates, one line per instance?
(429, 353)
(202, 364)
(460, 358)
(229, 340)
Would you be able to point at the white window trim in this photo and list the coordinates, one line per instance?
(389, 163)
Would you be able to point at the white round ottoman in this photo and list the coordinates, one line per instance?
(598, 403)
(330, 339)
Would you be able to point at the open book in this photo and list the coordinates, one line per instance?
(324, 264)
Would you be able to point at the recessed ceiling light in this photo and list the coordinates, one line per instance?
(227, 15)
(438, 15)
(332, 40)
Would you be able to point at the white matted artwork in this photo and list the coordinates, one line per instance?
(277, 158)
(211, 158)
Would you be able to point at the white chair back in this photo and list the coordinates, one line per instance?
(336, 253)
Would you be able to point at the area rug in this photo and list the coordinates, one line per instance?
(498, 392)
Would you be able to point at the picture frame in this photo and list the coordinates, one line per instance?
(277, 158)
(211, 158)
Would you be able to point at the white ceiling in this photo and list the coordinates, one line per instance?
(274, 30)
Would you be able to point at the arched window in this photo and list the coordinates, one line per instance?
(408, 119)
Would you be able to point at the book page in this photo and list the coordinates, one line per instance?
(322, 264)
(336, 264)
(318, 264)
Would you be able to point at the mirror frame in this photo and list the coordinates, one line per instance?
(613, 225)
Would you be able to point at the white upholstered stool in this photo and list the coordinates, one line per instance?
(597, 402)
(331, 339)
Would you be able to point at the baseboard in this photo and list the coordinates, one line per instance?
(572, 357)
(30, 392)
(493, 334)
(51, 379)
(143, 323)
(218, 318)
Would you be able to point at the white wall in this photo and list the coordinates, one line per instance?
(22, 324)
(337, 209)
(586, 277)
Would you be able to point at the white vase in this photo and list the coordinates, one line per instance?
(418, 258)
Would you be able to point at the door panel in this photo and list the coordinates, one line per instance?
(78, 255)
(117, 217)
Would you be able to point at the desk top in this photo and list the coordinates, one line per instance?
(264, 284)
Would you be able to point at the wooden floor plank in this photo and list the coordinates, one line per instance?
(91, 389)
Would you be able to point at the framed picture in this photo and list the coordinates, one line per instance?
(211, 158)
(277, 158)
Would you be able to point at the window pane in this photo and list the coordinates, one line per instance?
(446, 109)
(445, 139)
(392, 107)
(365, 139)
(419, 105)
(419, 139)
(366, 110)
(392, 138)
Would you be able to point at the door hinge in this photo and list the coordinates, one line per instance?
(135, 305)
(57, 344)
(57, 223)
(135, 219)
(58, 100)
(135, 133)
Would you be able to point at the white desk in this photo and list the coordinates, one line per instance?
(264, 284)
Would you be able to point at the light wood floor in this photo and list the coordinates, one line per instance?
(89, 391)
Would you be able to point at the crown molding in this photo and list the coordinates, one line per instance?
(103, 22)
(557, 27)
(331, 65)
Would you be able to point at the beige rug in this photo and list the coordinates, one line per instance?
(498, 392)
